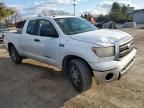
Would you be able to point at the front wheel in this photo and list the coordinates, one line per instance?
(16, 58)
(80, 75)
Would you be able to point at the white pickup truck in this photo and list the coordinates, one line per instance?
(75, 46)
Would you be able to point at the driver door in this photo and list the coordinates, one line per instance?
(50, 42)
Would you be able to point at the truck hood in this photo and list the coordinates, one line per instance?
(103, 37)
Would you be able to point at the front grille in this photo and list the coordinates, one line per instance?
(125, 48)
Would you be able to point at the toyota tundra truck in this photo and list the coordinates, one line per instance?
(76, 47)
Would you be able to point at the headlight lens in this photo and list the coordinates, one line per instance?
(104, 52)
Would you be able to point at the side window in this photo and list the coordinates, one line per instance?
(32, 27)
(46, 28)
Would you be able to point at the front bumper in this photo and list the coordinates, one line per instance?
(109, 71)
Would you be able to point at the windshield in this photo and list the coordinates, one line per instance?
(74, 25)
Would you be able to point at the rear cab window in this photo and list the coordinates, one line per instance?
(32, 27)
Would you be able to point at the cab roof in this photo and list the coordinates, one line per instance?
(50, 17)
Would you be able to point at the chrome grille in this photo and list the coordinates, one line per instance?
(125, 48)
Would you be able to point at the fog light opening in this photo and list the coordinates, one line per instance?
(109, 76)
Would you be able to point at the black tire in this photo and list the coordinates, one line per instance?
(80, 75)
(16, 58)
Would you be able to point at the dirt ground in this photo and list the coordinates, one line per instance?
(37, 85)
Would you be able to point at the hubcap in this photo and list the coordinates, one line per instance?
(75, 75)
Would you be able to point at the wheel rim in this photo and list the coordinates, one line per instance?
(75, 75)
(13, 54)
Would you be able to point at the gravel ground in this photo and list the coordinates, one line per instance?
(37, 85)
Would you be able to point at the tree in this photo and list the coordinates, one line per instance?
(82, 16)
(102, 18)
(115, 7)
(115, 13)
(119, 13)
(87, 16)
(5, 12)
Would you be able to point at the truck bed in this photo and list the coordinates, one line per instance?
(14, 32)
(12, 37)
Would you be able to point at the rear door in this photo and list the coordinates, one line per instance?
(31, 41)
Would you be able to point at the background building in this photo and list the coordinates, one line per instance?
(138, 16)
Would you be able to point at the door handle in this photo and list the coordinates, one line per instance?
(36, 40)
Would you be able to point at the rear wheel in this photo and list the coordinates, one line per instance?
(80, 75)
(16, 58)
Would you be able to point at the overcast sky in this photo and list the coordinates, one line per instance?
(95, 6)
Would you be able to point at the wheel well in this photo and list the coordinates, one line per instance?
(68, 58)
(9, 45)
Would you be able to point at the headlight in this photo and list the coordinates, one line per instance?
(104, 51)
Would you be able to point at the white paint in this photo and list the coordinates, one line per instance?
(49, 51)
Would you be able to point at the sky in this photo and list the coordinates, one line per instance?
(93, 6)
